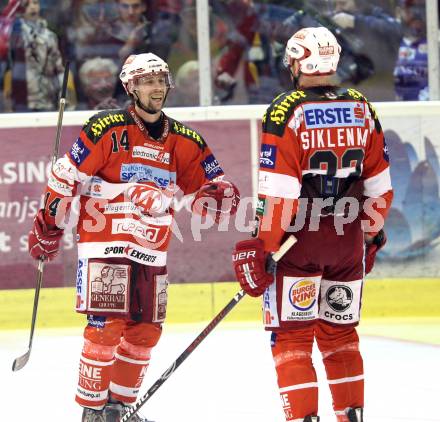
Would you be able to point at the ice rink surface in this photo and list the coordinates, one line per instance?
(228, 378)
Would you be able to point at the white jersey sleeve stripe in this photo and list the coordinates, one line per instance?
(278, 185)
(378, 185)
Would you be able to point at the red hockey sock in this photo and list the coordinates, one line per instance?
(297, 380)
(343, 363)
(94, 375)
(131, 363)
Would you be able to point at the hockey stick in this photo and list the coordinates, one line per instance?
(290, 241)
(21, 361)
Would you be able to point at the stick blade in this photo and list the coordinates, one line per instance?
(20, 362)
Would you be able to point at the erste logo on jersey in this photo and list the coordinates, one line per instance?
(79, 152)
(144, 173)
(151, 154)
(211, 167)
(268, 155)
(333, 114)
(302, 294)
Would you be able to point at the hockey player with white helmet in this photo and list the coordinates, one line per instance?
(140, 70)
(323, 171)
(126, 165)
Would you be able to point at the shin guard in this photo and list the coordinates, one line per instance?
(292, 353)
(94, 375)
(132, 360)
(344, 366)
(131, 363)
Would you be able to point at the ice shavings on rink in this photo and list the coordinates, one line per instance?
(228, 378)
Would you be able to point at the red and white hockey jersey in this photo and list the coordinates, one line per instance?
(325, 131)
(112, 154)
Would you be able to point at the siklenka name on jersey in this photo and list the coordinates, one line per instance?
(331, 138)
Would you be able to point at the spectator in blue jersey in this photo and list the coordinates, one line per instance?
(378, 34)
(411, 71)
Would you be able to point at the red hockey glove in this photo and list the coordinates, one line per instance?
(149, 198)
(43, 243)
(372, 247)
(249, 261)
(218, 199)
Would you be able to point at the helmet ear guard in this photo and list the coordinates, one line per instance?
(296, 52)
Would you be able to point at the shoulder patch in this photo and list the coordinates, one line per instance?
(356, 95)
(280, 111)
(101, 122)
(180, 129)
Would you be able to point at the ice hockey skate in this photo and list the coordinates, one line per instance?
(114, 411)
(355, 415)
(92, 415)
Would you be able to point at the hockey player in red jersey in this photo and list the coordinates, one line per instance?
(324, 174)
(126, 165)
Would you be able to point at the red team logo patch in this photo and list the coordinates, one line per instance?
(302, 295)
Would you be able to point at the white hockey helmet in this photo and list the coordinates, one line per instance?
(140, 65)
(316, 49)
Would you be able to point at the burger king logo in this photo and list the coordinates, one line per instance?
(302, 294)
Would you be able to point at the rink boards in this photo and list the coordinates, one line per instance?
(399, 308)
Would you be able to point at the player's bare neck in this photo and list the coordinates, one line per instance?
(315, 81)
(147, 117)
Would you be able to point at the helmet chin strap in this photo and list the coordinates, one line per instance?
(295, 79)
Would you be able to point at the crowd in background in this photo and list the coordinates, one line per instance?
(383, 42)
